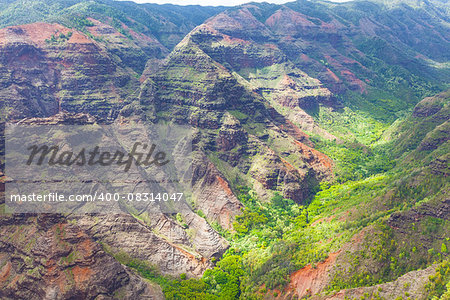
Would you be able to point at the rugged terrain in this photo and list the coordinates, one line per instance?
(320, 155)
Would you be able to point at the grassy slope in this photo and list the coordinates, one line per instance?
(271, 240)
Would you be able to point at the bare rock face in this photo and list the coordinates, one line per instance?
(165, 244)
(54, 75)
(262, 66)
(47, 68)
(231, 134)
(439, 210)
(249, 80)
(289, 34)
(173, 246)
(62, 117)
(74, 80)
(132, 51)
(238, 125)
(271, 171)
(430, 105)
(343, 54)
(44, 257)
(214, 196)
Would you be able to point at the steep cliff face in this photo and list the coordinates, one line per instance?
(264, 69)
(253, 81)
(128, 47)
(243, 135)
(158, 238)
(162, 242)
(60, 72)
(47, 68)
(354, 49)
(45, 257)
(51, 72)
(168, 24)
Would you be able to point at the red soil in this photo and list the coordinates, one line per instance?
(37, 33)
(315, 157)
(310, 281)
(287, 15)
(81, 274)
(4, 272)
(332, 75)
(87, 248)
(232, 40)
(224, 185)
(346, 73)
(306, 58)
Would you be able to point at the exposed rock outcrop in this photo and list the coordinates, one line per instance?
(45, 257)
(47, 68)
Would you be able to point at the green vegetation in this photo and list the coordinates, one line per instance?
(390, 179)
(373, 184)
(351, 125)
(358, 153)
(221, 282)
(438, 286)
(355, 161)
(80, 23)
(59, 38)
(270, 241)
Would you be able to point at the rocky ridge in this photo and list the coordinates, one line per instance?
(250, 79)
